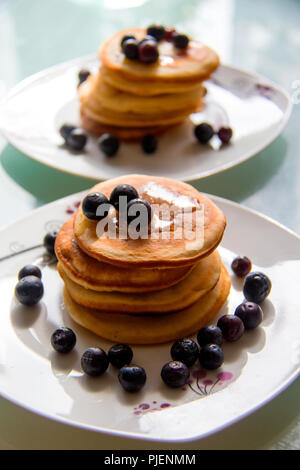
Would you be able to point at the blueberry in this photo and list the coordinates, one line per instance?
(109, 144)
(29, 290)
(30, 270)
(125, 38)
(63, 340)
(77, 139)
(241, 266)
(92, 202)
(131, 49)
(257, 287)
(180, 41)
(149, 143)
(139, 208)
(94, 361)
(120, 191)
(83, 75)
(185, 350)
(204, 132)
(250, 313)
(175, 374)
(211, 356)
(65, 130)
(147, 38)
(120, 355)
(210, 335)
(148, 52)
(157, 31)
(225, 134)
(232, 327)
(132, 378)
(49, 242)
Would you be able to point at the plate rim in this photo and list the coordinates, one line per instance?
(143, 437)
(20, 86)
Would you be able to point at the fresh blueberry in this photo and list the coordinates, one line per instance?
(109, 144)
(92, 202)
(203, 132)
(131, 49)
(232, 327)
(65, 130)
(185, 350)
(157, 31)
(49, 242)
(257, 287)
(148, 51)
(149, 143)
(180, 41)
(120, 191)
(147, 38)
(175, 374)
(83, 75)
(250, 313)
(30, 270)
(76, 139)
(120, 355)
(139, 208)
(241, 266)
(94, 361)
(63, 340)
(225, 134)
(210, 335)
(125, 38)
(29, 290)
(132, 377)
(211, 356)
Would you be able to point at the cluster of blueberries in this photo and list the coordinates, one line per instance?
(146, 50)
(95, 361)
(93, 201)
(76, 138)
(30, 289)
(204, 132)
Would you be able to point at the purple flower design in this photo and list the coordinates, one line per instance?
(206, 386)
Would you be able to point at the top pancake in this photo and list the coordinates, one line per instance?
(156, 251)
(196, 62)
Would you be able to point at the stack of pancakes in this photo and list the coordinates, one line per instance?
(131, 99)
(144, 291)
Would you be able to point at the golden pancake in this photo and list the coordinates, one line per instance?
(94, 92)
(152, 329)
(98, 113)
(196, 62)
(146, 87)
(164, 247)
(201, 280)
(94, 275)
(127, 134)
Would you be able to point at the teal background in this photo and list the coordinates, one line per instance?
(260, 36)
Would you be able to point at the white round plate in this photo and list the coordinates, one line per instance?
(256, 109)
(256, 368)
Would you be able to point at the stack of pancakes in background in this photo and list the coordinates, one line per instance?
(144, 291)
(131, 99)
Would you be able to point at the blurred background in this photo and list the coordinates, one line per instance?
(261, 36)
